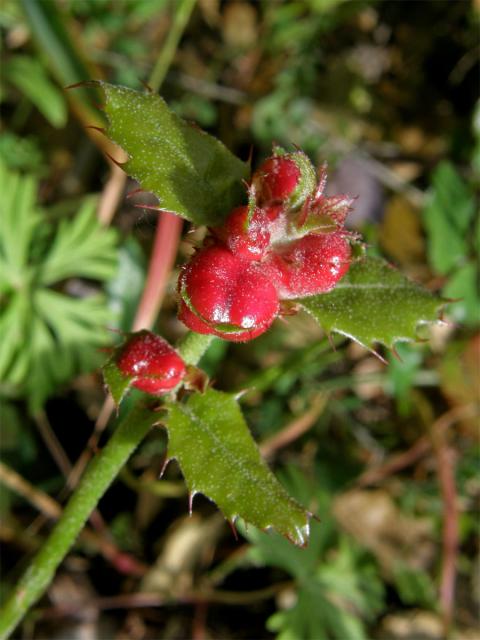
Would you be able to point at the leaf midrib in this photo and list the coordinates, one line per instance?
(205, 426)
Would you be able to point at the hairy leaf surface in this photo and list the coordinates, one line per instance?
(192, 173)
(374, 303)
(218, 457)
(118, 384)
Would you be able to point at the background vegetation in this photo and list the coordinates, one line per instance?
(387, 455)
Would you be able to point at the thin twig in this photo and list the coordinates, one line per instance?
(445, 457)
(294, 429)
(82, 461)
(450, 534)
(52, 510)
(211, 90)
(199, 621)
(395, 463)
(147, 600)
(183, 11)
(111, 194)
(51, 441)
(40, 500)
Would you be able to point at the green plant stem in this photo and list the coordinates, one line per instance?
(193, 345)
(183, 9)
(99, 475)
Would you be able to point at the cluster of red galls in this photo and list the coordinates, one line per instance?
(287, 243)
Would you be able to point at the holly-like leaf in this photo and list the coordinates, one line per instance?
(218, 457)
(118, 383)
(374, 303)
(192, 173)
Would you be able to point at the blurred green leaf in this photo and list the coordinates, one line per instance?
(50, 26)
(218, 457)
(414, 587)
(463, 285)
(29, 75)
(47, 336)
(374, 303)
(21, 153)
(401, 374)
(273, 550)
(125, 288)
(476, 237)
(338, 588)
(18, 222)
(192, 173)
(79, 249)
(315, 616)
(447, 219)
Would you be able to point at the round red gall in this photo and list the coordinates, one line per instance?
(276, 179)
(193, 322)
(229, 294)
(246, 235)
(311, 265)
(153, 363)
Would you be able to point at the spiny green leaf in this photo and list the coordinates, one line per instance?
(117, 383)
(374, 303)
(191, 173)
(218, 457)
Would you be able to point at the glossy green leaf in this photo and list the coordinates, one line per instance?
(191, 173)
(118, 384)
(374, 303)
(218, 457)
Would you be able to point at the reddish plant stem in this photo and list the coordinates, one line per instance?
(395, 463)
(164, 251)
(167, 237)
(445, 458)
(450, 535)
(199, 621)
(295, 429)
(111, 194)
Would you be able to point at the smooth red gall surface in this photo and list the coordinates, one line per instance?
(245, 238)
(225, 290)
(156, 366)
(311, 265)
(276, 179)
(195, 323)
